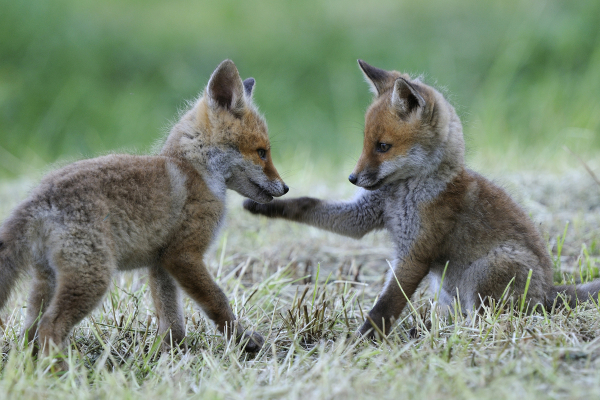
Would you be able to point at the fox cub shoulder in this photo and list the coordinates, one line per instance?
(117, 212)
(437, 212)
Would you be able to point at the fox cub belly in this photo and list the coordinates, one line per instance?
(90, 218)
(440, 215)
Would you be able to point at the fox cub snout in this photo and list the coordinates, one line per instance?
(444, 219)
(118, 212)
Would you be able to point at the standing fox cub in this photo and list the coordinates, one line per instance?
(435, 210)
(118, 212)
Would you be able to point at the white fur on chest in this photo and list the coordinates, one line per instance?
(217, 186)
(402, 221)
(402, 210)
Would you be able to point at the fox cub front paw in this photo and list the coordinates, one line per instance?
(270, 209)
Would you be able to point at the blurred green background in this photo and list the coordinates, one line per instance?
(79, 78)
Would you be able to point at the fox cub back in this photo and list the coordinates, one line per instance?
(442, 217)
(117, 212)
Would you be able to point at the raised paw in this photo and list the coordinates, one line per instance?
(270, 210)
(252, 206)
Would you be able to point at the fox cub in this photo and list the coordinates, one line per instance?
(436, 211)
(118, 212)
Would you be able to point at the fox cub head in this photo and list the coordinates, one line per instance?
(410, 131)
(224, 134)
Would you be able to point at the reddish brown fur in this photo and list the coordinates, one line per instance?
(381, 126)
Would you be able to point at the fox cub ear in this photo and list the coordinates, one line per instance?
(225, 88)
(249, 86)
(405, 97)
(378, 79)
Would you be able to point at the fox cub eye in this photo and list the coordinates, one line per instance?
(383, 147)
(262, 153)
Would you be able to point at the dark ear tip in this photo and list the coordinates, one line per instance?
(226, 66)
(249, 85)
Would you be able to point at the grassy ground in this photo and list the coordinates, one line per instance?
(306, 291)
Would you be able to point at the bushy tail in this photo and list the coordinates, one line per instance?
(572, 294)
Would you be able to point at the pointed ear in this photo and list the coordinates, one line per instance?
(225, 88)
(405, 98)
(378, 79)
(248, 86)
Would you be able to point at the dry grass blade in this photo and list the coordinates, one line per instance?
(587, 168)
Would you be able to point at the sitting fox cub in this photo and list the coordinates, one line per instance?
(91, 218)
(435, 210)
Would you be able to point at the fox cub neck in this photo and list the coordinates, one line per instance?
(225, 139)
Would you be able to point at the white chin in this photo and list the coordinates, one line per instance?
(257, 194)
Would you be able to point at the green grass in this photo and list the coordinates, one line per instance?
(79, 78)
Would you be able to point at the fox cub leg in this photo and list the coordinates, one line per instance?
(167, 302)
(83, 277)
(42, 292)
(500, 275)
(189, 270)
(399, 287)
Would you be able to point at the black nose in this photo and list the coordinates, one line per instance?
(352, 178)
(285, 188)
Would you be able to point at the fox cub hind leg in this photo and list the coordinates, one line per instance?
(83, 277)
(42, 291)
(502, 275)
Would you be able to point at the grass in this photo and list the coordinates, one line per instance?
(306, 291)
